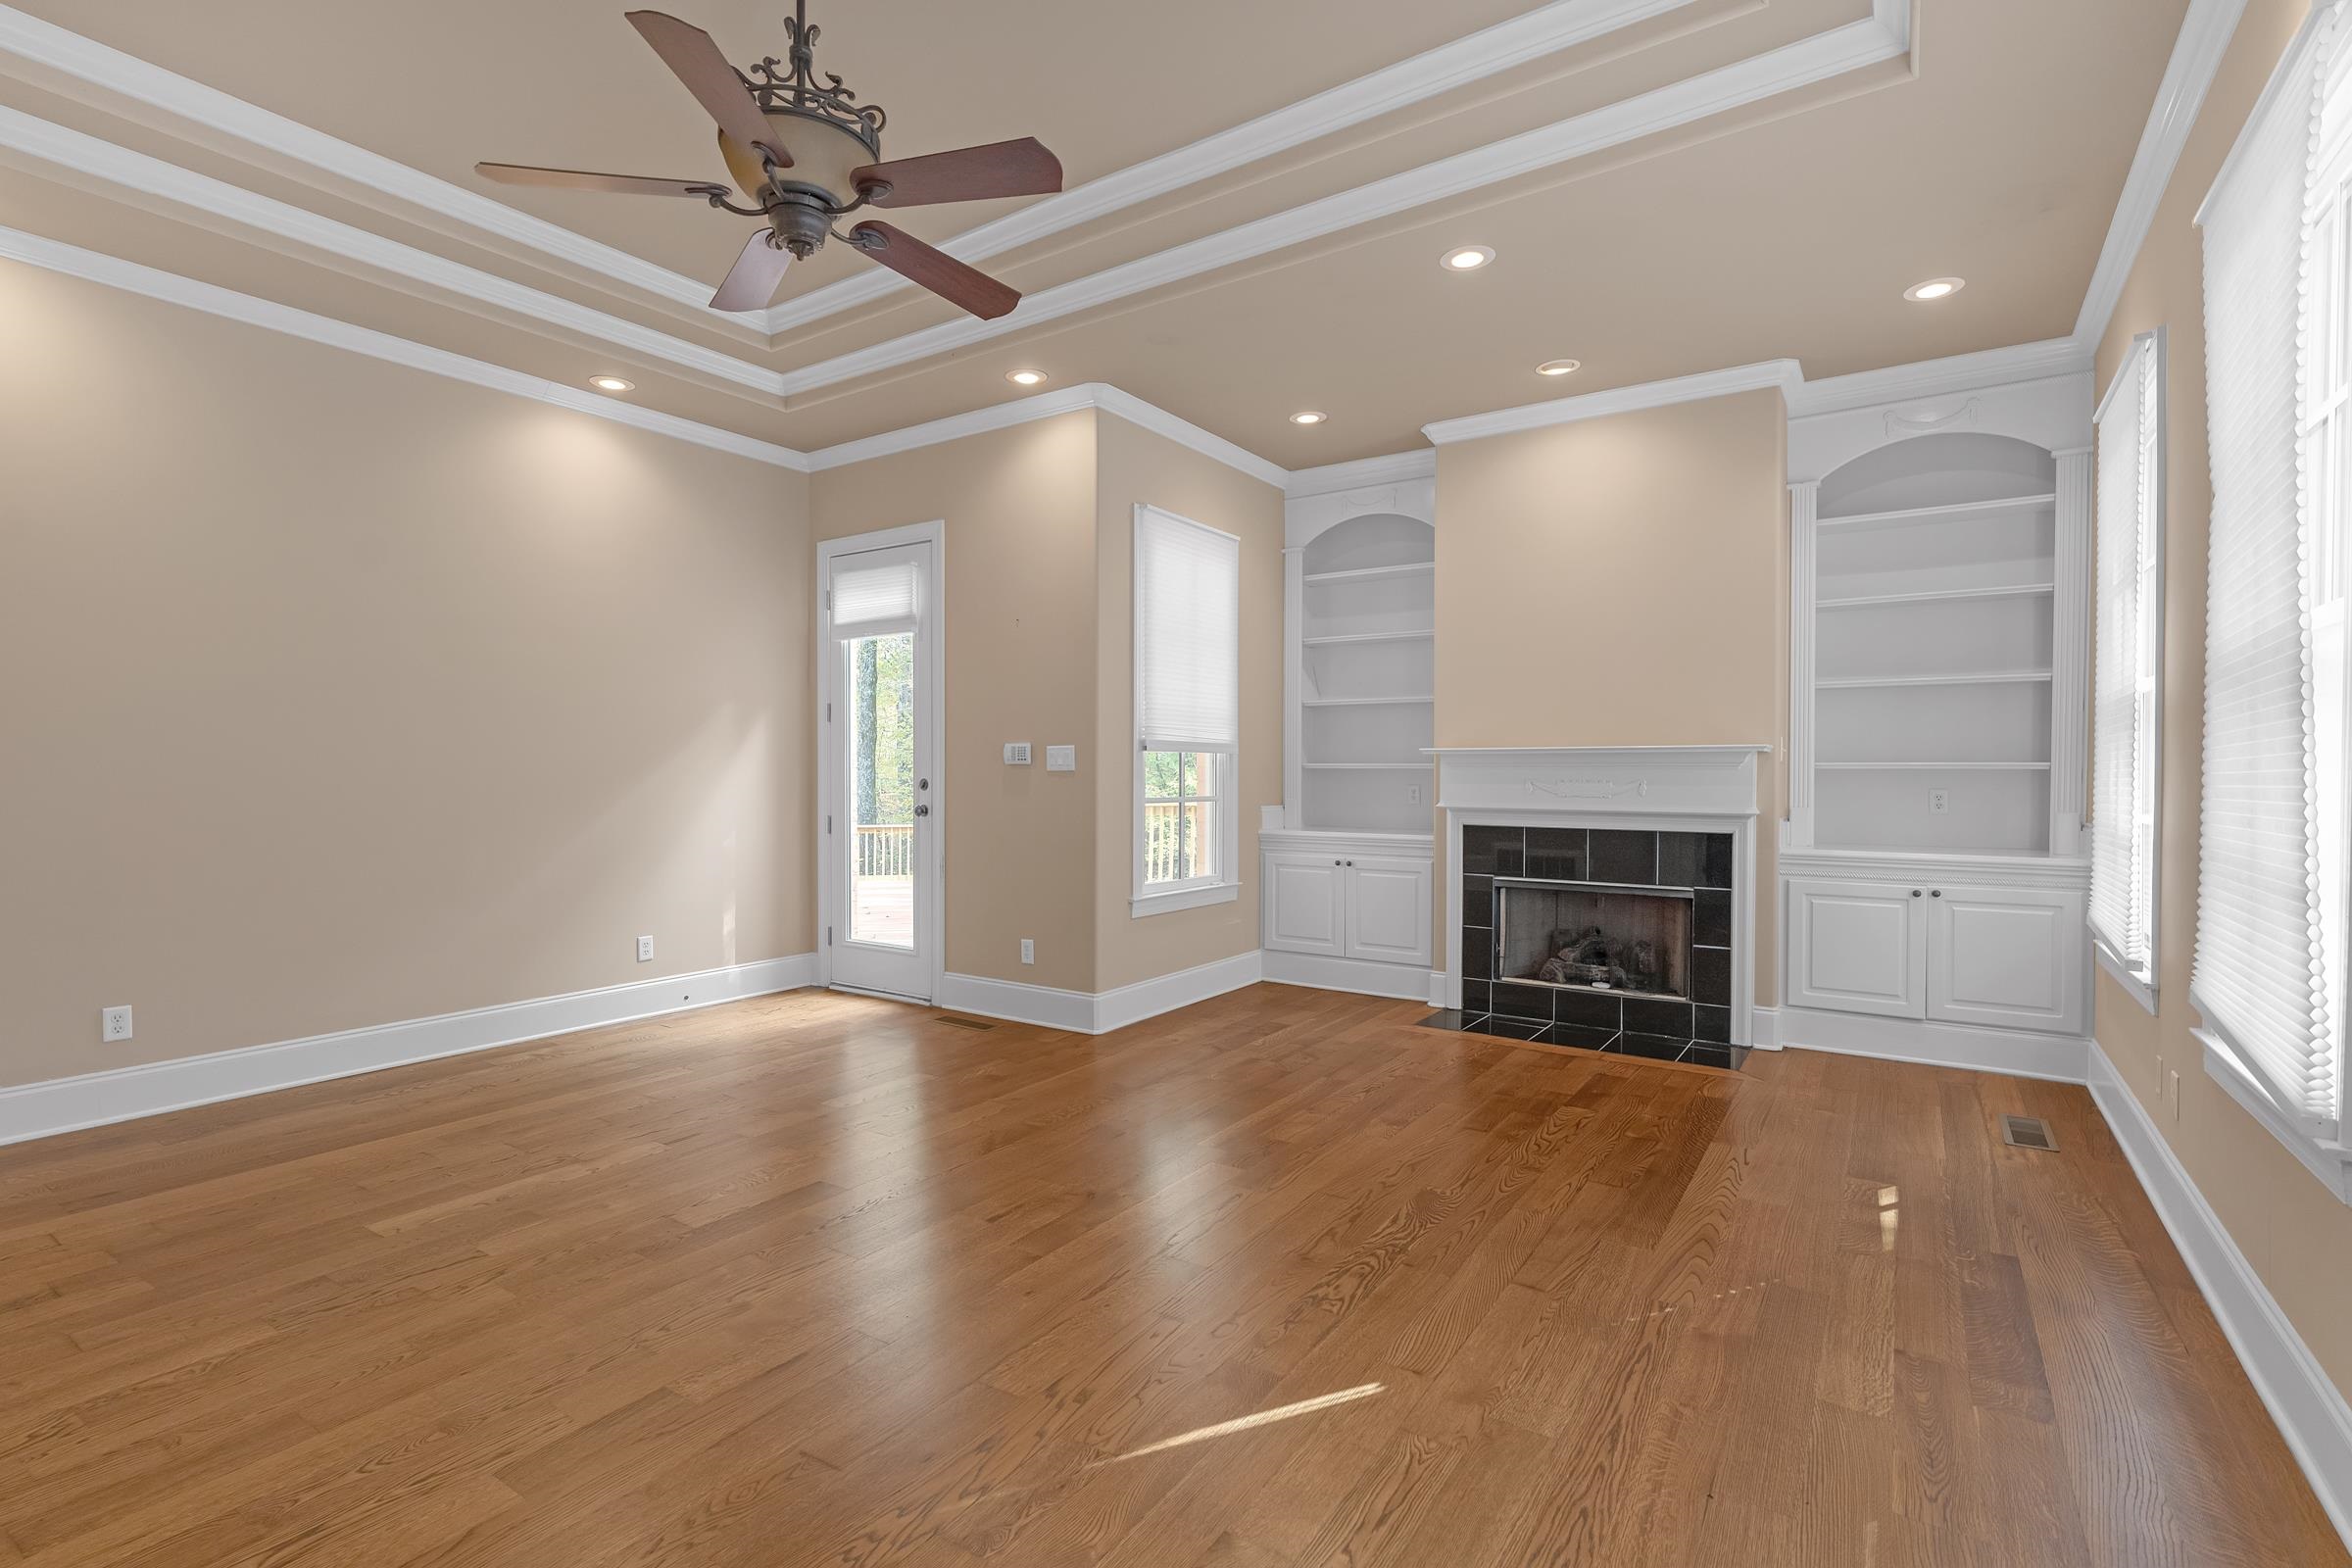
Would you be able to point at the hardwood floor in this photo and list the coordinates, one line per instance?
(1277, 1280)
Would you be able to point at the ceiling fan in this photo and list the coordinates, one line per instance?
(808, 155)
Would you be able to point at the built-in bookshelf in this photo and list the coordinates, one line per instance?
(1368, 675)
(1934, 648)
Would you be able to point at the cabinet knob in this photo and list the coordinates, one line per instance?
(1915, 892)
(1938, 894)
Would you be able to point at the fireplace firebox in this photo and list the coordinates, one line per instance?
(1626, 940)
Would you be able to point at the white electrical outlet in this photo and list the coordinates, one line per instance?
(114, 1023)
(1016, 754)
(1412, 795)
(1939, 803)
(644, 950)
(1028, 950)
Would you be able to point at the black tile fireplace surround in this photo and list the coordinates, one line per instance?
(1668, 1028)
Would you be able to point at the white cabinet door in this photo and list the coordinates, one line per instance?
(1859, 946)
(1388, 911)
(1302, 898)
(2009, 958)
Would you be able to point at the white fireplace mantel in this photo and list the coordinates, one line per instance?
(1619, 780)
(1706, 789)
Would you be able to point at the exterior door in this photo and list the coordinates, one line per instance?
(1859, 946)
(2007, 958)
(881, 796)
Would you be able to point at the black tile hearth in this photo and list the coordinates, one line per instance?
(1514, 1028)
(1644, 1016)
(1703, 1054)
(1493, 851)
(1624, 855)
(1605, 1041)
(1523, 1001)
(1650, 1047)
(1558, 853)
(1590, 1009)
(1576, 1034)
(1476, 996)
(1711, 976)
(1711, 1023)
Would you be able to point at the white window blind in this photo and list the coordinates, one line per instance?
(875, 600)
(1188, 635)
(2258, 973)
(2129, 621)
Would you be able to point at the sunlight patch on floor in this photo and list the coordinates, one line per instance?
(1283, 1412)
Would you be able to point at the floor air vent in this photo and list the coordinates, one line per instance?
(962, 1023)
(2026, 1132)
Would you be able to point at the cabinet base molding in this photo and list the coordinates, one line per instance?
(1365, 977)
(2064, 1058)
(1095, 1012)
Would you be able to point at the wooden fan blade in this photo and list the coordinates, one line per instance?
(1021, 168)
(935, 270)
(694, 59)
(752, 281)
(582, 180)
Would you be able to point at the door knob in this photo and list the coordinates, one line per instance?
(922, 810)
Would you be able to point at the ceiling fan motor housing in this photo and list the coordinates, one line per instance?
(804, 198)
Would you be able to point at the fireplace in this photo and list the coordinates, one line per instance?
(1622, 941)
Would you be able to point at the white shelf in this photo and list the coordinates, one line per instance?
(1369, 637)
(1989, 677)
(1956, 512)
(1931, 767)
(1360, 573)
(2024, 590)
(1365, 702)
(1368, 767)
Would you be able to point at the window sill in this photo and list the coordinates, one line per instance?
(1182, 899)
(2135, 985)
(2328, 1158)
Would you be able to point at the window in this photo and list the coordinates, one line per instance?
(2128, 670)
(2271, 959)
(1188, 654)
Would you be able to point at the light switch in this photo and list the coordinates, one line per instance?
(1016, 754)
(1061, 759)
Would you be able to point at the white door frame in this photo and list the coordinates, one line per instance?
(931, 663)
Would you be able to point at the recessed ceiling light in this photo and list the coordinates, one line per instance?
(1559, 366)
(611, 383)
(1025, 377)
(1308, 416)
(1466, 258)
(1934, 288)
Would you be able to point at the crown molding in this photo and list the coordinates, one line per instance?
(1099, 394)
(213, 300)
(59, 49)
(1806, 63)
(1449, 68)
(152, 178)
(1334, 477)
(1785, 375)
(2205, 35)
(1927, 379)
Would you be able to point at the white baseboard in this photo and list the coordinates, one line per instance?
(1100, 1011)
(2310, 1410)
(1362, 976)
(121, 1093)
(1764, 1028)
(2064, 1058)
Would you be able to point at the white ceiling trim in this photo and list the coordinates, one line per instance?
(2205, 35)
(1785, 375)
(46, 44)
(153, 178)
(1333, 478)
(1929, 378)
(132, 277)
(1885, 36)
(1547, 30)
(1046, 405)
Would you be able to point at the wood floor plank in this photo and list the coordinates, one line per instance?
(1279, 1280)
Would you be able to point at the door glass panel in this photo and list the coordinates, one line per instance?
(882, 789)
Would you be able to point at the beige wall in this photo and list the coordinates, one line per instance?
(340, 694)
(1135, 466)
(1019, 509)
(2298, 1236)
(1622, 581)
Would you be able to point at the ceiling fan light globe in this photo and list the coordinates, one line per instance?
(822, 154)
